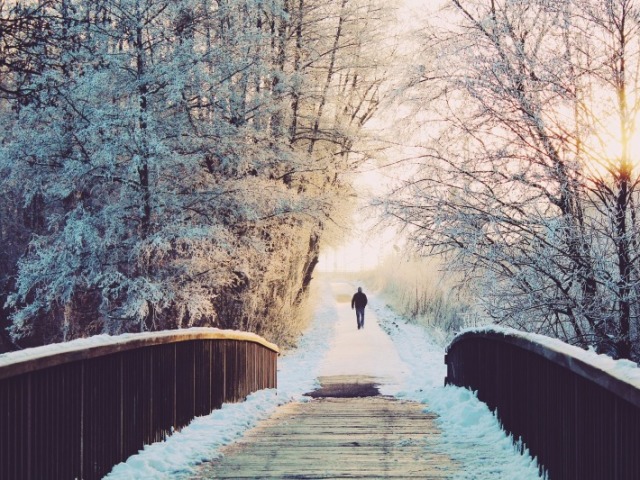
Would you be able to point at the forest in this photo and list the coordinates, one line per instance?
(175, 163)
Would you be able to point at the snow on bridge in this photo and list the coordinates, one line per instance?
(417, 427)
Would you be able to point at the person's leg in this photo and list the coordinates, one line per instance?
(360, 316)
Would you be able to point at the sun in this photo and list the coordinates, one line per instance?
(608, 152)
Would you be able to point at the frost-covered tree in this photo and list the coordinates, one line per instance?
(519, 182)
(131, 156)
(160, 154)
(26, 38)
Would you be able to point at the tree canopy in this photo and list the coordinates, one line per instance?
(528, 174)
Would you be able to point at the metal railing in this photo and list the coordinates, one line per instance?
(578, 420)
(75, 414)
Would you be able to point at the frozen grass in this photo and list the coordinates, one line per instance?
(290, 321)
(421, 290)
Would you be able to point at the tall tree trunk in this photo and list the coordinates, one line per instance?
(297, 58)
(330, 73)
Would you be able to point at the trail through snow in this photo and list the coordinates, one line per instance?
(366, 352)
(407, 363)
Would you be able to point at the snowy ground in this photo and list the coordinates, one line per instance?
(409, 365)
(369, 352)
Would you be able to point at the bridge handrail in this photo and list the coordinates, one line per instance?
(576, 411)
(621, 377)
(75, 409)
(37, 358)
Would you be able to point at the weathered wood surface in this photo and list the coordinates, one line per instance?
(338, 437)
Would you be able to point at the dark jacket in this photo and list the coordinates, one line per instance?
(359, 300)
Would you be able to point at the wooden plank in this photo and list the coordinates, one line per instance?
(365, 437)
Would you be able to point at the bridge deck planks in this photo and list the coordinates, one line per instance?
(369, 437)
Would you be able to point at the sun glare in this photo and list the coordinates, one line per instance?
(606, 151)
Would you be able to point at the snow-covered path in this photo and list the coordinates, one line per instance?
(367, 352)
(401, 356)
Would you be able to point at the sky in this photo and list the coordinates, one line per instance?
(365, 247)
(367, 244)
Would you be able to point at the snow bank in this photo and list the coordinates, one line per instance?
(471, 433)
(202, 438)
(624, 370)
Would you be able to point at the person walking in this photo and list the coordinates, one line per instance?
(359, 301)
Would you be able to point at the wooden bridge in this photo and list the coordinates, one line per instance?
(75, 413)
(347, 431)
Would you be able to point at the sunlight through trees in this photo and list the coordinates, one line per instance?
(518, 181)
